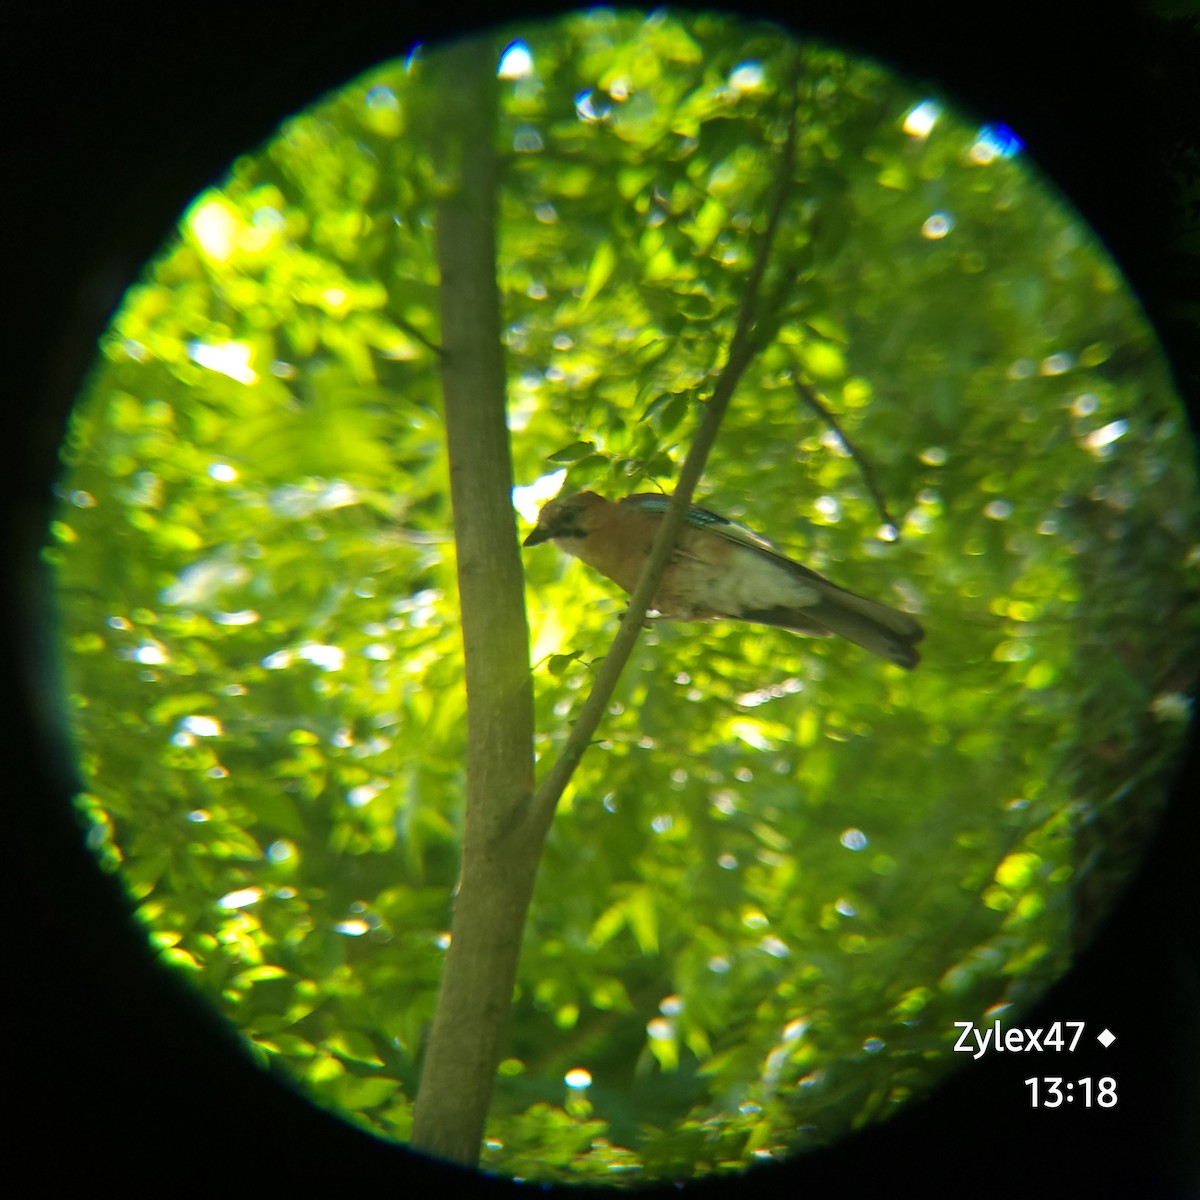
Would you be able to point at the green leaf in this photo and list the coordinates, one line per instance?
(571, 453)
(599, 272)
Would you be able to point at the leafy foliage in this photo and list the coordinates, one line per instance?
(787, 869)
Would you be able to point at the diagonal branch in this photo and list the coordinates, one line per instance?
(810, 397)
(742, 348)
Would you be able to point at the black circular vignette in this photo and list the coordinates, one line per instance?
(121, 117)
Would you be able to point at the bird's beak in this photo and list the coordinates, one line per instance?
(537, 537)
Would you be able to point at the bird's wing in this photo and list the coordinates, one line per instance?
(733, 531)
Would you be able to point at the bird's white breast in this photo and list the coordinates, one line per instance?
(745, 581)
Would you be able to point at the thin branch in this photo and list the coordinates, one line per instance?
(810, 397)
(742, 348)
(416, 335)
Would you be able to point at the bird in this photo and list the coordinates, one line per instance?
(720, 569)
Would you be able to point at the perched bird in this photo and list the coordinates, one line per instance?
(721, 569)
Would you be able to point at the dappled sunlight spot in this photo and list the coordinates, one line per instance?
(372, 747)
(364, 793)
(993, 142)
(588, 109)
(516, 62)
(199, 583)
(222, 472)
(318, 495)
(1100, 441)
(335, 298)
(352, 927)
(528, 499)
(202, 726)
(998, 510)
(660, 1029)
(149, 653)
(527, 140)
(215, 227)
(384, 114)
(854, 839)
(1012, 651)
(199, 816)
(937, 226)
(829, 508)
(240, 898)
(934, 456)
(244, 616)
(750, 732)
(781, 1054)
(920, 520)
(1172, 706)
(775, 691)
(1017, 610)
(727, 862)
(774, 946)
(578, 1078)
(328, 658)
(921, 118)
(1056, 364)
(663, 823)
(418, 611)
(281, 851)
(382, 98)
(873, 1045)
(1017, 870)
(725, 801)
(831, 440)
(231, 359)
(747, 77)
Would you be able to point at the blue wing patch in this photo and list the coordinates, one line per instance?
(702, 518)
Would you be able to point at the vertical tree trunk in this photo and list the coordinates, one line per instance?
(501, 848)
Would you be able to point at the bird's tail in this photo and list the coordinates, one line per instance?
(887, 632)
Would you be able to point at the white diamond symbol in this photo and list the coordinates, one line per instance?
(1106, 1039)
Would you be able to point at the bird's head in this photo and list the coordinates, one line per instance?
(567, 517)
